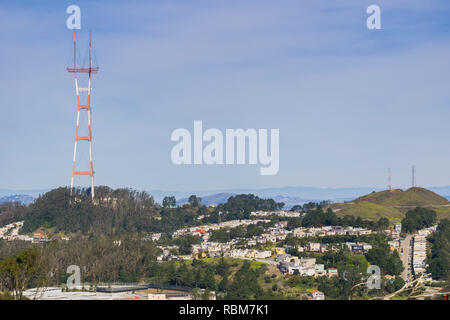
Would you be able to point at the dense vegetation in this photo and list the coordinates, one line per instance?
(389, 262)
(319, 218)
(439, 260)
(101, 260)
(240, 206)
(127, 260)
(11, 212)
(113, 213)
(418, 218)
(223, 235)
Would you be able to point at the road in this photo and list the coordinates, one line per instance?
(268, 261)
(406, 257)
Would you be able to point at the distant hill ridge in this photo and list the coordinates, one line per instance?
(393, 204)
(22, 198)
(411, 197)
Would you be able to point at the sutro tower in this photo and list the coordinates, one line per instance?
(89, 71)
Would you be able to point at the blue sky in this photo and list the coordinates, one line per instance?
(349, 102)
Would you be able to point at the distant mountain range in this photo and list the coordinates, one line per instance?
(289, 195)
(302, 194)
(22, 198)
(295, 194)
(213, 199)
(218, 198)
(31, 192)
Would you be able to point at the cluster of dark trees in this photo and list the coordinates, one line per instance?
(104, 260)
(11, 212)
(389, 262)
(370, 238)
(242, 283)
(112, 213)
(319, 217)
(169, 202)
(310, 206)
(418, 218)
(100, 259)
(185, 243)
(240, 206)
(20, 271)
(224, 235)
(439, 260)
(122, 260)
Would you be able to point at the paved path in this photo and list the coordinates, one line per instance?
(406, 257)
(268, 261)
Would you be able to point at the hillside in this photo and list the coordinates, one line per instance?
(393, 204)
(411, 197)
(367, 210)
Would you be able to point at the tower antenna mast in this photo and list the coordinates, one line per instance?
(87, 106)
(389, 180)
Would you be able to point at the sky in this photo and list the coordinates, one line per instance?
(349, 102)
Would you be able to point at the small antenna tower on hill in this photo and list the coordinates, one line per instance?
(413, 182)
(389, 180)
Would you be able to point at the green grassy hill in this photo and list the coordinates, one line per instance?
(411, 197)
(393, 204)
(367, 211)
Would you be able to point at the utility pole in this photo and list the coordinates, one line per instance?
(389, 180)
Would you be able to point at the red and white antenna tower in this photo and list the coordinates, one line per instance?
(87, 106)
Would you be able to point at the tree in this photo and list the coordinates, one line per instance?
(223, 284)
(297, 207)
(418, 218)
(439, 262)
(245, 284)
(185, 243)
(221, 235)
(208, 280)
(389, 262)
(222, 268)
(169, 202)
(194, 200)
(383, 223)
(398, 283)
(294, 223)
(19, 271)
